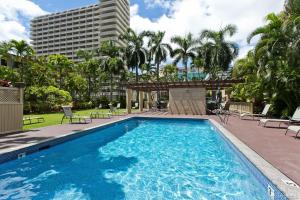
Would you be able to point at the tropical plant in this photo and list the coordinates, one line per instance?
(135, 52)
(170, 73)
(185, 50)
(111, 61)
(90, 69)
(45, 99)
(23, 53)
(62, 64)
(158, 49)
(217, 52)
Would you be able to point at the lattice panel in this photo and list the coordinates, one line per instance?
(9, 95)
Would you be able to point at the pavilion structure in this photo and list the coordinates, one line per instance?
(184, 97)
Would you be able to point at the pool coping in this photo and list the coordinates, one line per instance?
(269, 171)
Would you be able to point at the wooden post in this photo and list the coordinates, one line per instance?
(128, 100)
(148, 100)
(141, 101)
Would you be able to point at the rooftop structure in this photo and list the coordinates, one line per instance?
(82, 28)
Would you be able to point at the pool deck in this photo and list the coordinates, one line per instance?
(280, 150)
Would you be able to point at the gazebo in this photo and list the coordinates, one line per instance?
(184, 97)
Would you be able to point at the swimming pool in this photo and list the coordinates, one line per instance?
(135, 159)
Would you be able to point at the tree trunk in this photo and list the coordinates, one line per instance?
(137, 74)
(157, 72)
(186, 72)
(111, 86)
(89, 90)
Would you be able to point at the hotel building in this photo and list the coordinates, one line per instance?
(82, 28)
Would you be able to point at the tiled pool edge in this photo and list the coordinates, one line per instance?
(269, 171)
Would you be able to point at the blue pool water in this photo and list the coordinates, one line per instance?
(135, 159)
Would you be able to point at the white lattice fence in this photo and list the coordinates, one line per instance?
(11, 110)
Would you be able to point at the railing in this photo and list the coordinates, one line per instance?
(11, 110)
(241, 107)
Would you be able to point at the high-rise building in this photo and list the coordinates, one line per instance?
(82, 28)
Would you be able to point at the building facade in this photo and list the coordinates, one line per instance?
(82, 28)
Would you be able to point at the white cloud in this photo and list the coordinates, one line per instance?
(195, 15)
(159, 3)
(13, 13)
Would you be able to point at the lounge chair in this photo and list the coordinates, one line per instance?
(294, 118)
(30, 119)
(293, 128)
(68, 114)
(222, 112)
(100, 115)
(136, 106)
(262, 114)
(116, 110)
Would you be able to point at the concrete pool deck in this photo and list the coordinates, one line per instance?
(271, 144)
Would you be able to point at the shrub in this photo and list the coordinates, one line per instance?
(7, 73)
(45, 99)
(80, 105)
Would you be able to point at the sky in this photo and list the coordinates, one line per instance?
(176, 17)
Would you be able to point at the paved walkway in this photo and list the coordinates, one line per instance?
(283, 152)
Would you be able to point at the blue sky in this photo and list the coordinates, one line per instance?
(175, 17)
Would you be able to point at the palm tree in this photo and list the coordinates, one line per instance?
(218, 53)
(186, 50)
(111, 61)
(5, 48)
(135, 52)
(23, 52)
(158, 49)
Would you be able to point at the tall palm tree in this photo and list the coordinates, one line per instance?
(23, 52)
(111, 61)
(158, 49)
(135, 51)
(218, 53)
(186, 50)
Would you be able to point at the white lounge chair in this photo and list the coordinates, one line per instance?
(136, 106)
(262, 114)
(294, 118)
(68, 114)
(98, 114)
(116, 110)
(293, 128)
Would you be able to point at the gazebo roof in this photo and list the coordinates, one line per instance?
(165, 86)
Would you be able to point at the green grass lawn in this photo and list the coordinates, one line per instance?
(55, 118)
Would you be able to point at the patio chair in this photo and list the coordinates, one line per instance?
(136, 106)
(293, 119)
(30, 119)
(262, 114)
(154, 107)
(293, 128)
(98, 114)
(68, 114)
(118, 109)
(222, 112)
